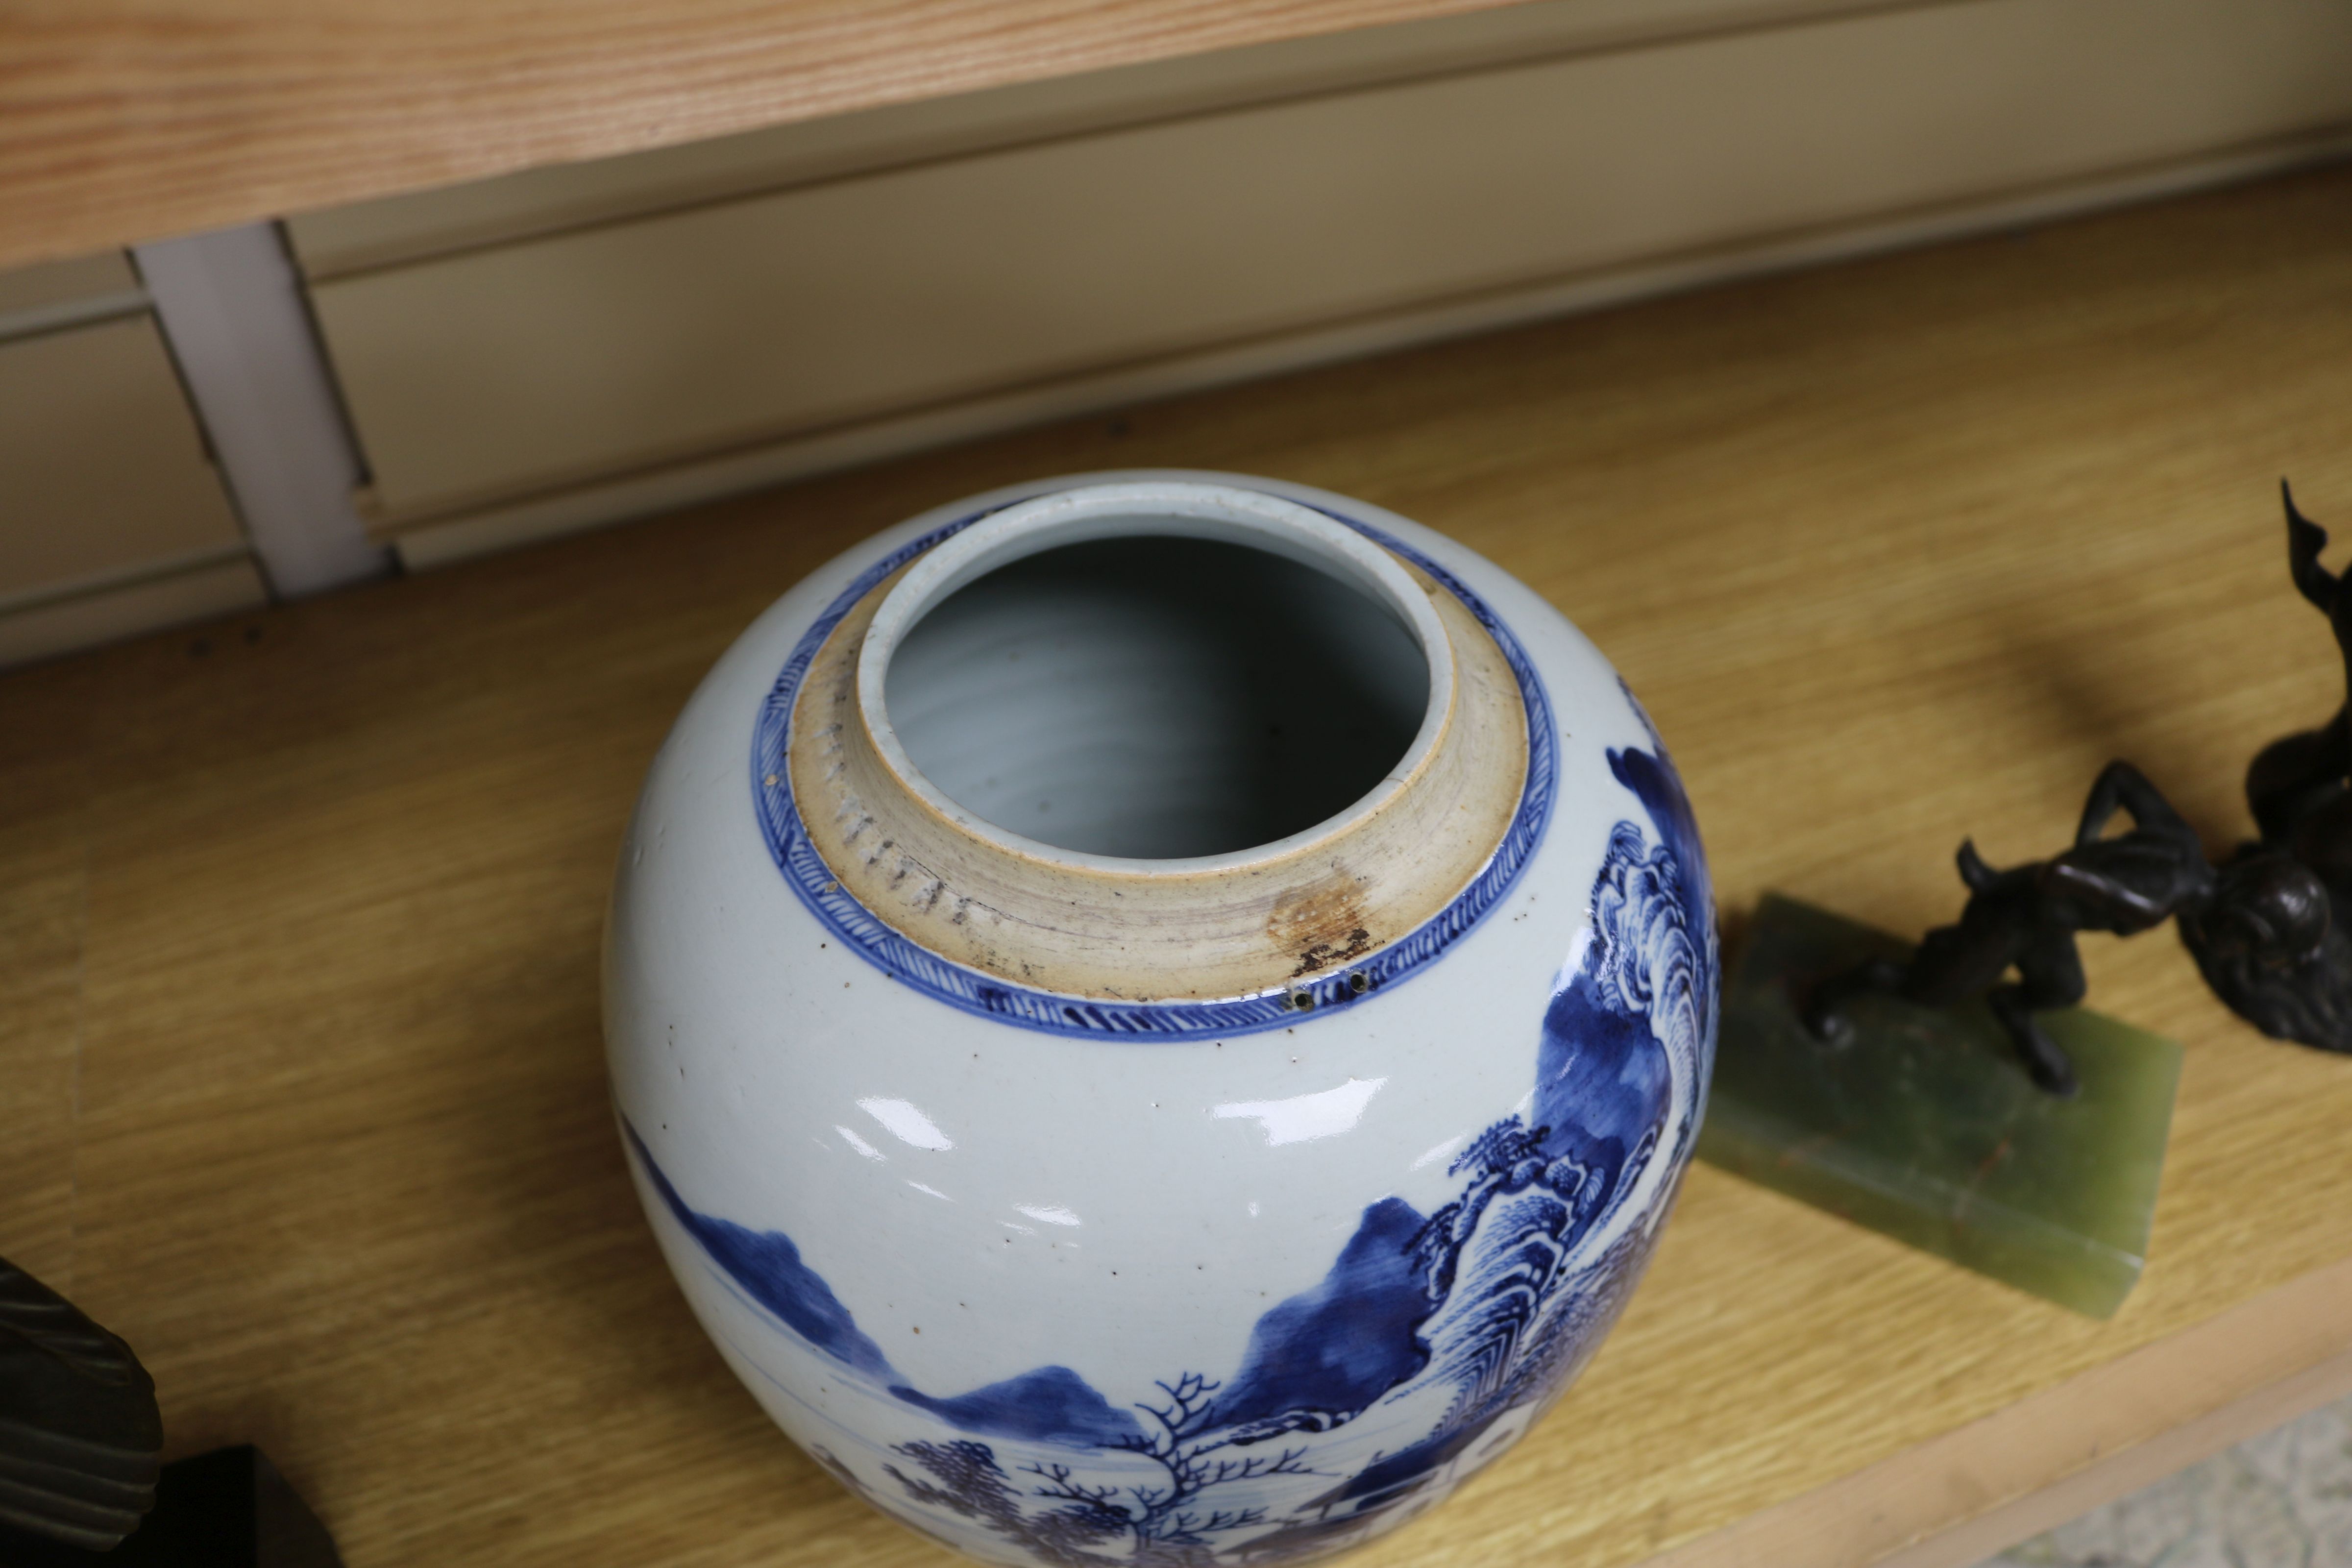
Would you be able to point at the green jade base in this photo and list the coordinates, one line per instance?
(1925, 1126)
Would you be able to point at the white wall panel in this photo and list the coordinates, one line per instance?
(539, 373)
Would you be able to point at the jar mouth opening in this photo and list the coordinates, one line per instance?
(1156, 676)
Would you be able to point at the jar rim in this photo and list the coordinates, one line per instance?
(1155, 509)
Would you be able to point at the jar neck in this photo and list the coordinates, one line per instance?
(1263, 918)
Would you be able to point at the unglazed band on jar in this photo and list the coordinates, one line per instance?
(1261, 920)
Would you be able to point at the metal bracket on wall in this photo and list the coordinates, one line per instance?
(232, 308)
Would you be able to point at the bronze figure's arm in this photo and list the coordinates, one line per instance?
(2122, 788)
(2305, 541)
(2298, 777)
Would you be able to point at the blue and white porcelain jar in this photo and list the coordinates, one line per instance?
(1156, 1016)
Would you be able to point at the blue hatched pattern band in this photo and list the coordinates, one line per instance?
(913, 965)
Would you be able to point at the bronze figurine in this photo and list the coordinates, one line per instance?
(2263, 926)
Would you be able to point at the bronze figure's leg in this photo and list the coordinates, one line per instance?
(2293, 778)
(1823, 1007)
(2044, 1062)
(2323, 841)
(2050, 975)
(1954, 962)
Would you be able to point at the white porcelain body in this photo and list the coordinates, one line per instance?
(1079, 1296)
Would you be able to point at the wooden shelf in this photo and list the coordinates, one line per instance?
(299, 915)
(138, 120)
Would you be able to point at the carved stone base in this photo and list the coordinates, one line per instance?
(1924, 1126)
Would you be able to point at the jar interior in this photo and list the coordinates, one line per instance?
(1155, 697)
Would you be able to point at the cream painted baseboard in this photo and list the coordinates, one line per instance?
(438, 543)
(510, 389)
(217, 585)
(112, 519)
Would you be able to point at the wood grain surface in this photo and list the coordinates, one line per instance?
(137, 119)
(299, 914)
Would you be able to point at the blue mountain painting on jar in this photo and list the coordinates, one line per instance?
(1444, 1322)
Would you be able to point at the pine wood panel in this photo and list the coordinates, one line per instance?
(137, 119)
(365, 235)
(1895, 552)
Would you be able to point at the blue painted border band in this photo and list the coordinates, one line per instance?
(911, 963)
